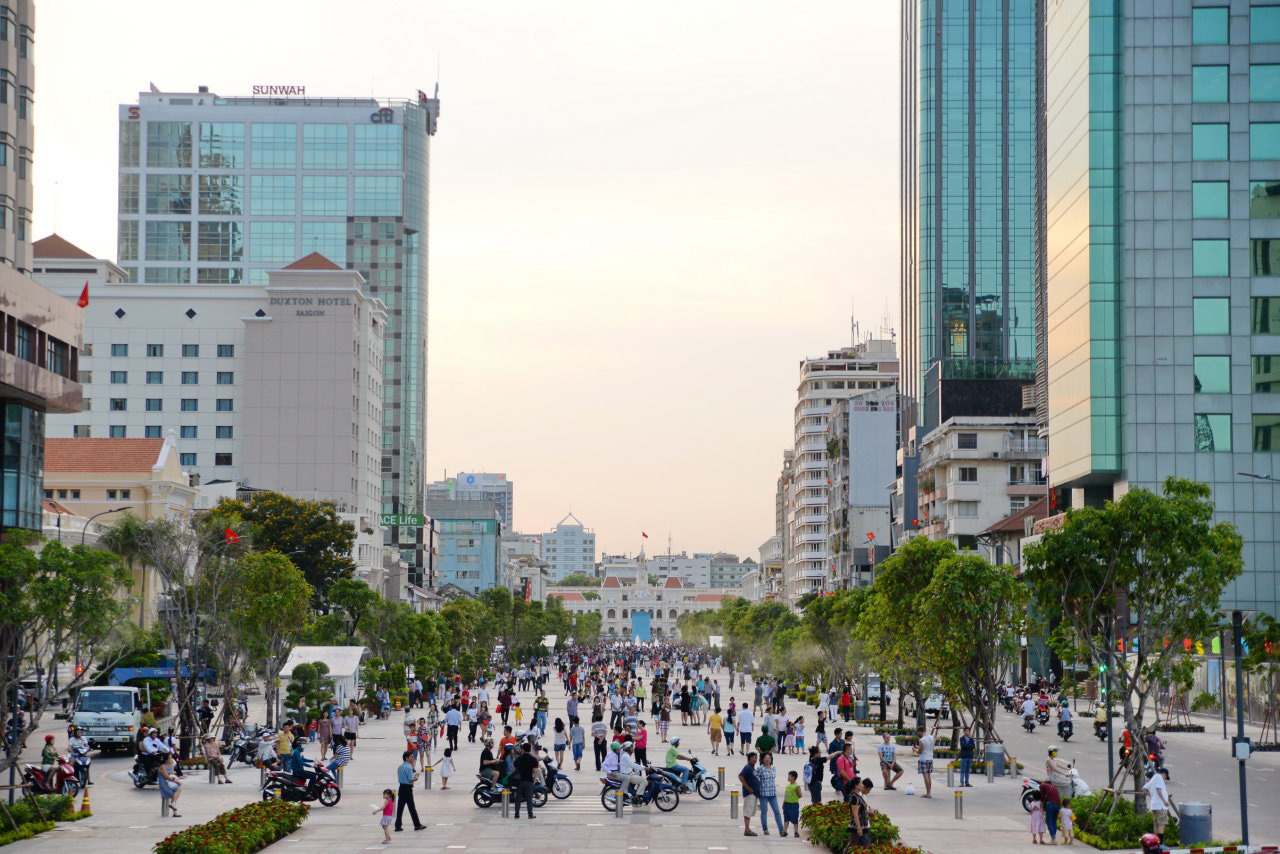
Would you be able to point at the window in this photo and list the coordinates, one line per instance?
(223, 433)
(130, 143)
(119, 377)
(219, 275)
(155, 351)
(1019, 502)
(377, 195)
(190, 404)
(220, 241)
(1264, 256)
(1264, 141)
(152, 431)
(186, 459)
(967, 441)
(82, 431)
(378, 146)
(1264, 82)
(224, 404)
(1212, 374)
(1266, 374)
(221, 145)
(1209, 84)
(190, 350)
(965, 509)
(221, 195)
(116, 431)
(324, 146)
(225, 378)
(190, 377)
(168, 275)
(222, 459)
(387, 231)
(1264, 316)
(168, 241)
(1211, 316)
(1210, 25)
(1213, 432)
(155, 404)
(226, 351)
(169, 144)
(1209, 142)
(1266, 428)
(1210, 258)
(155, 377)
(119, 349)
(188, 432)
(1264, 24)
(129, 193)
(1264, 199)
(169, 194)
(327, 238)
(119, 404)
(324, 195)
(968, 474)
(272, 195)
(272, 242)
(274, 146)
(1209, 199)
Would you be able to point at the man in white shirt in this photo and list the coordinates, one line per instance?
(1158, 802)
(631, 772)
(746, 720)
(1028, 708)
(152, 745)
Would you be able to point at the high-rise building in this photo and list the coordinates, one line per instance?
(17, 135)
(468, 545)
(1163, 258)
(569, 548)
(868, 369)
(864, 435)
(221, 190)
(477, 486)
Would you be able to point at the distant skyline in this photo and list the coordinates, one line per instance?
(644, 216)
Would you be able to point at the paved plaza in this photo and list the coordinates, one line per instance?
(127, 821)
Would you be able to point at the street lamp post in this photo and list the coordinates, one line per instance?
(1240, 744)
(85, 530)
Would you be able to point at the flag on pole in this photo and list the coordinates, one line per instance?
(232, 536)
(83, 302)
(643, 534)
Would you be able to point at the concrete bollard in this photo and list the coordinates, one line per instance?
(338, 775)
(733, 804)
(720, 776)
(951, 777)
(959, 804)
(426, 778)
(506, 803)
(210, 772)
(166, 806)
(262, 777)
(991, 772)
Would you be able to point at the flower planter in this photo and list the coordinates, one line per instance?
(1180, 728)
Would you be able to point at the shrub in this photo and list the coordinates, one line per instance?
(828, 823)
(25, 831)
(1122, 828)
(241, 831)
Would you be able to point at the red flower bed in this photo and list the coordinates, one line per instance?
(243, 830)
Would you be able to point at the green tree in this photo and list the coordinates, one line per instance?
(269, 612)
(831, 623)
(309, 533)
(356, 600)
(578, 579)
(1262, 636)
(309, 681)
(586, 627)
(1145, 571)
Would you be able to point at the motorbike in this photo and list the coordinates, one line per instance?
(1029, 723)
(660, 791)
(80, 761)
(1100, 730)
(61, 779)
(561, 785)
(1065, 730)
(700, 781)
(487, 793)
(244, 747)
(1079, 789)
(146, 769)
(1042, 715)
(322, 786)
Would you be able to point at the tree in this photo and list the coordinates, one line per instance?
(970, 617)
(356, 599)
(831, 623)
(1136, 577)
(270, 609)
(578, 579)
(308, 533)
(586, 627)
(1262, 636)
(309, 681)
(56, 605)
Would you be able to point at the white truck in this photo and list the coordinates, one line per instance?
(109, 716)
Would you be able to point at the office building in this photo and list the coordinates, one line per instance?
(569, 548)
(219, 191)
(864, 435)
(477, 486)
(1163, 260)
(468, 545)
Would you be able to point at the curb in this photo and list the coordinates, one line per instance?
(1237, 849)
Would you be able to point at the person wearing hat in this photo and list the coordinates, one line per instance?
(673, 762)
(1059, 772)
(213, 758)
(48, 756)
(77, 741)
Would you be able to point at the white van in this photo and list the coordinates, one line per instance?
(109, 716)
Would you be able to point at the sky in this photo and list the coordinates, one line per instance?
(643, 216)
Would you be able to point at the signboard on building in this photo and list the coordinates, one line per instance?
(402, 520)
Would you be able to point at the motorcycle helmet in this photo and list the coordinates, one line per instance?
(1053, 749)
(675, 742)
(615, 746)
(1150, 842)
(48, 738)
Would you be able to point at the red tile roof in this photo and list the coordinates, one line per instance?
(101, 455)
(612, 581)
(54, 246)
(672, 581)
(314, 261)
(1015, 523)
(711, 597)
(568, 595)
(51, 506)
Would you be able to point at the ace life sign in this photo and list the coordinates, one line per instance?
(402, 520)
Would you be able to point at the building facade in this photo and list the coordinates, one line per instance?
(478, 486)
(638, 609)
(1164, 259)
(218, 191)
(569, 548)
(468, 545)
(864, 436)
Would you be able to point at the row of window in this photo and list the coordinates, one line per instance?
(272, 145)
(189, 351)
(1212, 199)
(1213, 374)
(1212, 25)
(269, 195)
(1211, 84)
(1213, 432)
(74, 494)
(270, 241)
(156, 404)
(157, 378)
(1212, 141)
(26, 342)
(1212, 256)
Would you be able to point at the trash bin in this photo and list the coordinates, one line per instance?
(995, 755)
(860, 710)
(1196, 827)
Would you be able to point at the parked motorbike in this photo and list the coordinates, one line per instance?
(321, 786)
(660, 791)
(244, 747)
(60, 780)
(146, 769)
(486, 793)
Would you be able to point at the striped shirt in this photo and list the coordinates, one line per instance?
(342, 754)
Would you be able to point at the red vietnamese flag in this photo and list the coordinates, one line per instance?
(83, 302)
(232, 536)
(643, 534)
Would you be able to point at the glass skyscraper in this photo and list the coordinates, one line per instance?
(971, 142)
(220, 190)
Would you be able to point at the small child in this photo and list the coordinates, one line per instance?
(791, 805)
(519, 713)
(1038, 826)
(1066, 822)
(446, 768)
(789, 742)
(800, 748)
(388, 809)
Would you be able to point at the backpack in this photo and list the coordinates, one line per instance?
(808, 773)
(833, 770)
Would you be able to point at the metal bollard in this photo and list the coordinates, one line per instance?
(733, 804)
(426, 778)
(262, 777)
(720, 776)
(991, 772)
(959, 804)
(506, 803)
(951, 777)
(619, 802)
(210, 772)
(166, 806)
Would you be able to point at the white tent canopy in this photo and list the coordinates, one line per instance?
(343, 662)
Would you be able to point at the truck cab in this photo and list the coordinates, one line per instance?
(109, 716)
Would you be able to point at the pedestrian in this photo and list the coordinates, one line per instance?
(715, 729)
(888, 763)
(1158, 802)
(1066, 822)
(324, 733)
(527, 769)
(599, 736)
(351, 727)
(641, 740)
(813, 773)
(453, 720)
(791, 805)
(213, 758)
(170, 785)
(923, 749)
(750, 793)
(559, 739)
(859, 811)
(729, 732)
(446, 768)
(766, 776)
(967, 748)
(388, 806)
(1052, 802)
(577, 742)
(406, 776)
(1037, 824)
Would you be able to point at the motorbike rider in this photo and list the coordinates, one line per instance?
(1065, 728)
(153, 751)
(1059, 771)
(78, 747)
(48, 758)
(1099, 718)
(1028, 709)
(623, 773)
(673, 762)
(1155, 749)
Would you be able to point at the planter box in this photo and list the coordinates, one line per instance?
(1180, 728)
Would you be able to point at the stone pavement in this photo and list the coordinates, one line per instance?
(127, 821)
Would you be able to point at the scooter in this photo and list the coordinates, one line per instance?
(487, 793)
(80, 761)
(1065, 730)
(707, 787)
(1100, 730)
(322, 786)
(1079, 789)
(660, 791)
(1042, 715)
(244, 747)
(1029, 723)
(146, 769)
(60, 780)
(561, 785)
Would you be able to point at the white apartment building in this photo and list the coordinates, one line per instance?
(478, 486)
(770, 568)
(569, 548)
(975, 471)
(864, 430)
(849, 372)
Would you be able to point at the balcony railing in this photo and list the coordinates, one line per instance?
(1033, 445)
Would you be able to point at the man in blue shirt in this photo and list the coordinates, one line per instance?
(750, 793)
(406, 776)
(452, 720)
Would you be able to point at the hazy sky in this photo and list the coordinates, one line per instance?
(643, 215)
